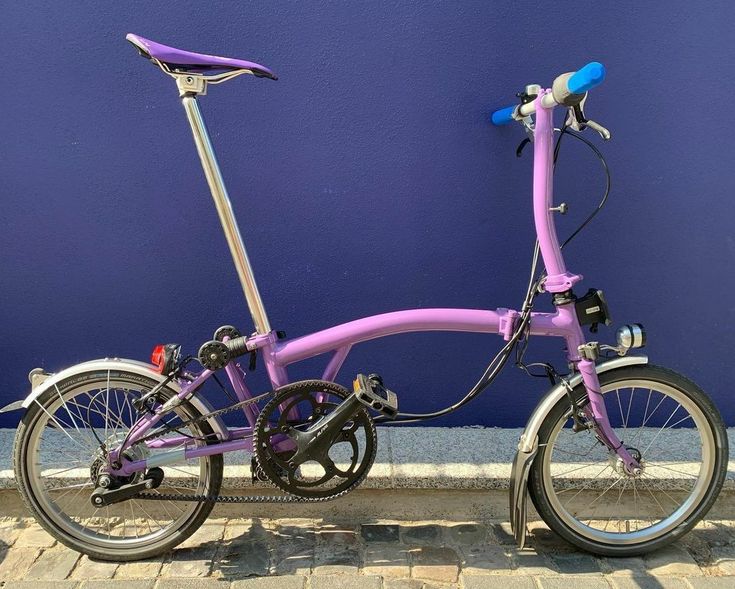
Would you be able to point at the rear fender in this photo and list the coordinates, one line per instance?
(41, 382)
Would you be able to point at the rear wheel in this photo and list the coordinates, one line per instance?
(58, 457)
(583, 492)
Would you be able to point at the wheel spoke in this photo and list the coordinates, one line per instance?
(107, 404)
(587, 485)
(620, 406)
(578, 468)
(59, 427)
(645, 418)
(625, 484)
(601, 495)
(663, 427)
(630, 404)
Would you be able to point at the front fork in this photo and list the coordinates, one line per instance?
(596, 412)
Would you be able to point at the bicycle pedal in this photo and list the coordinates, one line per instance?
(371, 392)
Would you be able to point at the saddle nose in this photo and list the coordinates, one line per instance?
(188, 61)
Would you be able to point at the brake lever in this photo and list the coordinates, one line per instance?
(603, 132)
(577, 120)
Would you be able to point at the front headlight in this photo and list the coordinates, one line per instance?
(631, 336)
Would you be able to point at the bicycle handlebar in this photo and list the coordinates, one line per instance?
(503, 116)
(584, 79)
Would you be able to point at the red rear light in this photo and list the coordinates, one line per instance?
(158, 357)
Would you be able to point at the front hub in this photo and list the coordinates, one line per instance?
(618, 464)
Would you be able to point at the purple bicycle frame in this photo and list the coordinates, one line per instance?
(278, 354)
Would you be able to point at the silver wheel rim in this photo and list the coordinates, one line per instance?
(671, 487)
(128, 525)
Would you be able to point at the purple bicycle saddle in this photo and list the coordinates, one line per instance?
(179, 59)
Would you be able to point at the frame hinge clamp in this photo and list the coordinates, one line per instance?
(507, 323)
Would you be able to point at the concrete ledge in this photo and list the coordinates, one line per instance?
(416, 458)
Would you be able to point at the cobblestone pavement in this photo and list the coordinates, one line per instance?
(310, 554)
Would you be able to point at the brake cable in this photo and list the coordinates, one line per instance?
(608, 180)
(501, 358)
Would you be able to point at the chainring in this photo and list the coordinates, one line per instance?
(295, 409)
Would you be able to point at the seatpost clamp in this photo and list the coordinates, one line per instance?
(191, 84)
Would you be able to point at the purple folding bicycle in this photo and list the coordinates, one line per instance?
(123, 460)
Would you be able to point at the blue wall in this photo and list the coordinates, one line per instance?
(366, 180)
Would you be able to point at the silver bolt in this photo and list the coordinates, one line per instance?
(98, 500)
(149, 484)
(562, 208)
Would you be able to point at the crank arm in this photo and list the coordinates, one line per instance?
(320, 436)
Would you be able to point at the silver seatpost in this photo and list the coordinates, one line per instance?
(226, 214)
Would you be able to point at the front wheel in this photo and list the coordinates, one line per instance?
(585, 495)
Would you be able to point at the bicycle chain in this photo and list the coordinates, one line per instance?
(241, 498)
(233, 498)
(202, 418)
(246, 498)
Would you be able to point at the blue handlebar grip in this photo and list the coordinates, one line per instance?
(503, 116)
(588, 77)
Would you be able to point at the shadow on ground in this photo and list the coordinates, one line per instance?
(260, 547)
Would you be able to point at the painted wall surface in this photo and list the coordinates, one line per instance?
(366, 179)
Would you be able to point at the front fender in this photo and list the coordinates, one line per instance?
(528, 444)
(43, 382)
